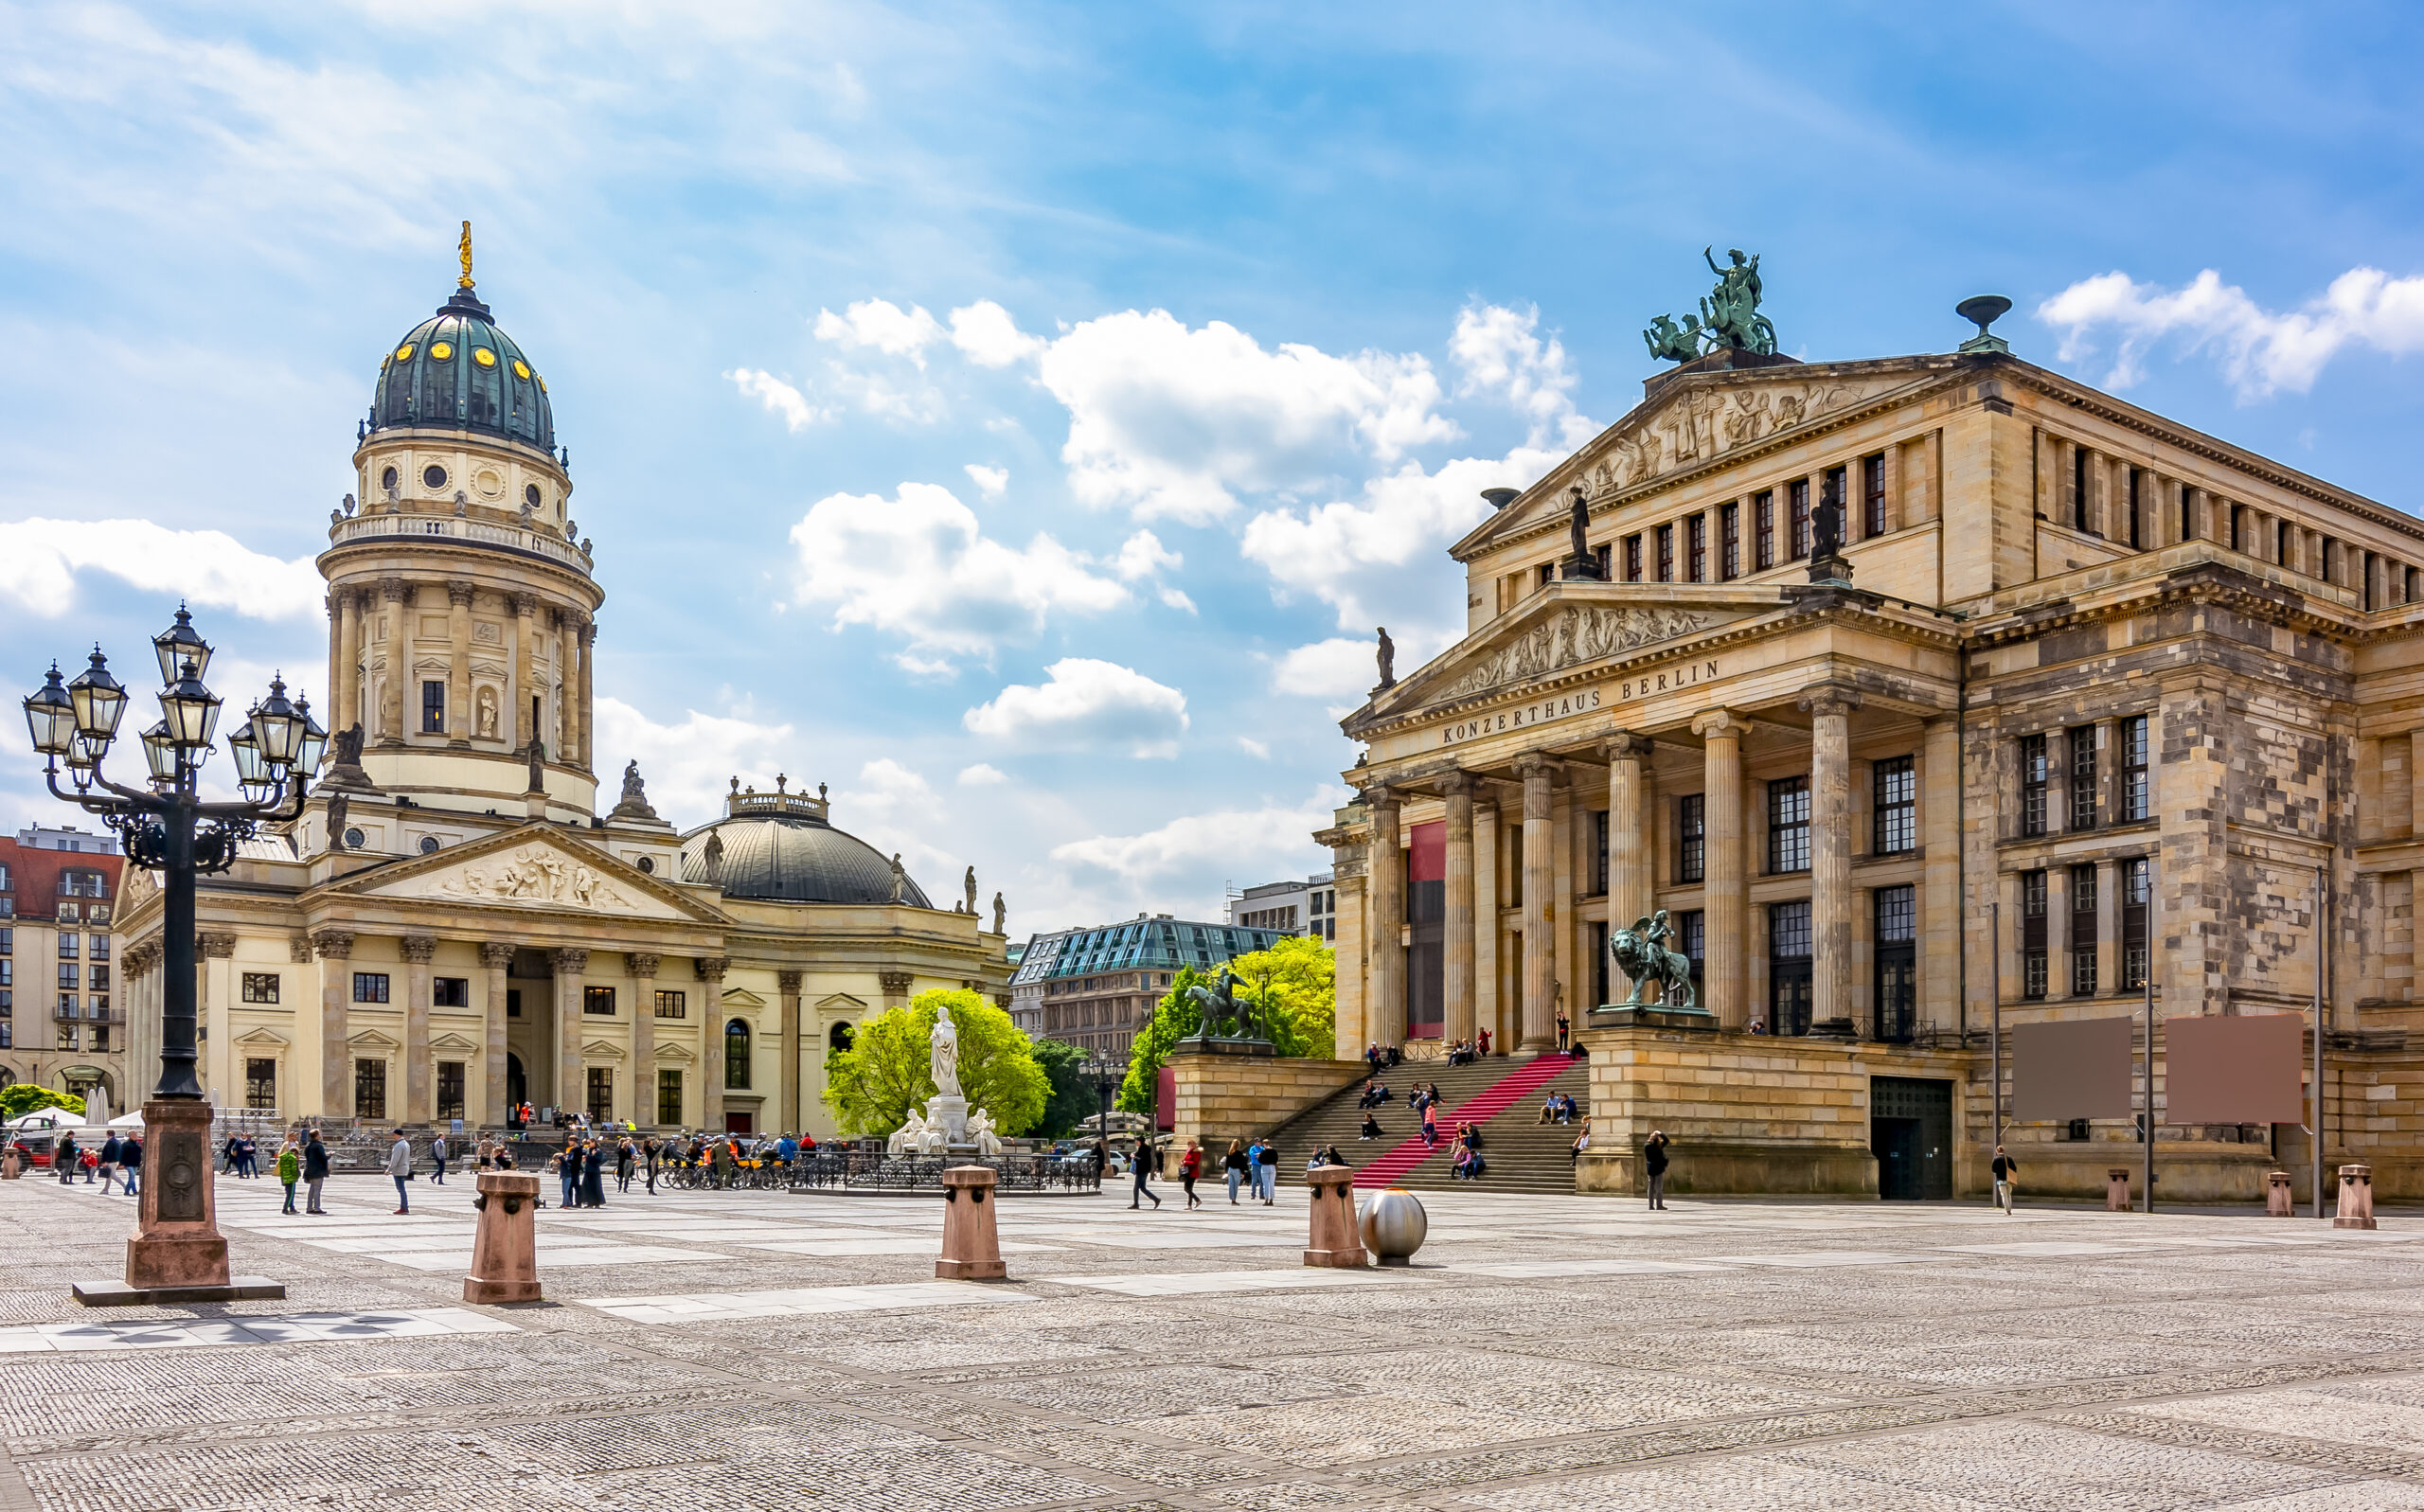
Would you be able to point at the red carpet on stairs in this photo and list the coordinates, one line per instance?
(1493, 1100)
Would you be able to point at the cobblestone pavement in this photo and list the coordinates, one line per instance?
(747, 1350)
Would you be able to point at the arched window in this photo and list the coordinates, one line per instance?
(735, 1055)
(841, 1037)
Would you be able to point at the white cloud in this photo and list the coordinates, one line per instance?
(883, 324)
(688, 766)
(986, 335)
(920, 566)
(1244, 845)
(778, 396)
(1083, 704)
(982, 775)
(1254, 748)
(1500, 352)
(989, 481)
(1165, 422)
(1327, 669)
(2261, 351)
(39, 561)
(891, 791)
(1142, 555)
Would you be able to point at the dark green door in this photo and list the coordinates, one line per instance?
(1911, 1131)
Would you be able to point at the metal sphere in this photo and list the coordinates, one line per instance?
(1395, 1226)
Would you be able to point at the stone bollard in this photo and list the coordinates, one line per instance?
(504, 1250)
(12, 1164)
(2356, 1209)
(2116, 1190)
(972, 1244)
(2276, 1195)
(1334, 1241)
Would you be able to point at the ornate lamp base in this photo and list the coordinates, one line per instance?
(179, 1256)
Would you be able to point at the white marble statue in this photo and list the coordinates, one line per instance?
(909, 1138)
(936, 1139)
(980, 1132)
(944, 1043)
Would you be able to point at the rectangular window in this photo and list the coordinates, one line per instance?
(1667, 553)
(673, 1005)
(1696, 548)
(67, 913)
(96, 947)
(450, 992)
(2033, 777)
(1695, 934)
(2032, 935)
(1834, 502)
(1896, 806)
(598, 1001)
(7, 942)
(67, 976)
(432, 709)
(2082, 744)
(68, 945)
(1598, 857)
(2135, 795)
(261, 987)
(1633, 557)
(450, 1089)
(1729, 543)
(100, 1038)
(669, 1097)
(1788, 824)
(513, 1002)
(7, 974)
(2079, 488)
(1895, 1010)
(1763, 526)
(1798, 492)
(7, 1034)
(1788, 968)
(1691, 837)
(2137, 878)
(2137, 494)
(2083, 940)
(1872, 495)
(71, 1038)
(370, 1089)
(1603, 554)
(99, 981)
(369, 986)
(261, 1082)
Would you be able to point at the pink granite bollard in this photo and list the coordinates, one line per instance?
(12, 1164)
(972, 1244)
(2276, 1195)
(2356, 1210)
(2116, 1190)
(1336, 1242)
(504, 1252)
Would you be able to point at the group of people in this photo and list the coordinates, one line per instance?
(116, 1159)
(1381, 1058)
(1470, 1163)
(1465, 1052)
(1559, 1108)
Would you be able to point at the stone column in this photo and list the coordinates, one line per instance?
(588, 708)
(1456, 947)
(567, 685)
(395, 597)
(895, 987)
(1725, 893)
(526, 679)
(459, 676)
(1540, 949)
(1385, 1008)
(1939, 923)
(569, 964)
(419, 950)
(2107, 928)
(643, 972)
(1629, 850)
(710, 971)
(345, 685)
(2057, 932)
(2415, 783)
(1487, 1010)
(495, 956)
(1830, 851)
(336, 997)
(217, 948)
(786, 1082)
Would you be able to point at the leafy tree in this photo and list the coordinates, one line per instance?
(1073, 1099)
(1174, 1018)
(1295, 983)
(872, 1086)
(20, 1098)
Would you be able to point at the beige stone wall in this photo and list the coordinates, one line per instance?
(1221, 1097)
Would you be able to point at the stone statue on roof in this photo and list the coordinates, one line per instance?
(1730, 314)
(1388, 658)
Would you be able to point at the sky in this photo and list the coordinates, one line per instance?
(1019, 417)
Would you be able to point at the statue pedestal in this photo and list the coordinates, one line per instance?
(1578, 569)
(178, 1255)
(950, 1113)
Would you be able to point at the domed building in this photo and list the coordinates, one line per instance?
(451, 928)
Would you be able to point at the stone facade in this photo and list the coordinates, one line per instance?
(1219, 1096)
(2096, 692)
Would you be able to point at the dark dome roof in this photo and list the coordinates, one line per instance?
(455, 371)
(792, 859)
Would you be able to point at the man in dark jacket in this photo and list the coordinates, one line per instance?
(129, 1162)
(1266, 1163)
(316, 1170)
(2006, 1172)
(1654, 1161)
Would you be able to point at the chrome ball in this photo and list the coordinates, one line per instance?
(1394, 1226)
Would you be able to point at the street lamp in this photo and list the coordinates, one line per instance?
(166, 827)
(1105, 1073)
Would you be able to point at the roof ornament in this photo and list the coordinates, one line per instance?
(1387, 654)
(782, 782)
(899, 878)
(1729, 317)
(462, 504)
(463, 251)
(350, 507)
(1983, 311)
(820, 792)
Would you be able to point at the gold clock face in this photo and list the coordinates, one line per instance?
(405, 353)
(520, 371)
(484, 357)
(441, 350)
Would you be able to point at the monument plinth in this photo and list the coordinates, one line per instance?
(179, 1255)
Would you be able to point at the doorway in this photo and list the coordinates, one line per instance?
(517, 1081)
(1911, 1131)
(738, 1123)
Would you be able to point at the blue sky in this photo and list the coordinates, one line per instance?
(1017, 416)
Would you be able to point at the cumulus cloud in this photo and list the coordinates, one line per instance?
(918, 565)
(778, 396)
(1500, 352)
(41, 558)
(1254, 748)
(1204, 850)
(1166, 422)
(883, 326)
(891, 791)
(989, 481)
(688, 764)
(985, 335)
(2262, 351)
(982, 775)
(1327, 669)
(1086, 705)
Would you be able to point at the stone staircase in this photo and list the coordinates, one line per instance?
(1504, 1095)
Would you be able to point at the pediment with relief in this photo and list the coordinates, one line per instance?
(1563, 636)
(536, 872)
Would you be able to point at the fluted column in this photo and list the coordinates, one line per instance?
(786, 1083)
(1540, 949)
(495, 956)
(526, 679)
(1629, 847)
(1830, 851)
(395, 597)
(1725, 896)
(458, 673)
(710, 971)
(336, 996)
(1456, 939)
(418, 949)
(1385, 1004)
(2107, 928)
(1487, 1008)
(345, 683)
(588, 708)
(567, 685)
(643, 973)
(569, 964)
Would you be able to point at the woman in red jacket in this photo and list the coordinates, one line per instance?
(1189, 1165)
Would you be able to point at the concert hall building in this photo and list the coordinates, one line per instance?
(2086, 693)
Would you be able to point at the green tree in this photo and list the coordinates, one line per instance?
(872, 1086)
(1174, 1018)
(20, 1098)
(1073, 1099)
(1295, 983)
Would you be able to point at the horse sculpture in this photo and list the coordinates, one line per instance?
(1641, 953)
(1223, 1016)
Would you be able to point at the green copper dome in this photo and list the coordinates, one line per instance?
(455, 371)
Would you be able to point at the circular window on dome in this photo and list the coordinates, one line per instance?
(484, 357)
(647, 865)
(531, 495)
(429, 845)
(520, 371)
(354, 840)
(434, 475)
(542, 383)
(387, 479)
(405, 353)
(441, 350)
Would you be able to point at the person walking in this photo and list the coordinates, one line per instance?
(625, 1159)
(568, 1172)
(129, 1162)
(649, 1149)
(1144, 1176)
(1190, 1167)
(400, 1168)
(290, 1169)
(593, 1174)
(109, 1161)
(1266, 1167)
(1234, 1164)
(1653, 1160)
(437, 1152)
(62, 1159)
(2006, 1175)
(315, 1172)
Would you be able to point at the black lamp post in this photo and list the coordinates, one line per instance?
(166, 827)
(1106, 1073)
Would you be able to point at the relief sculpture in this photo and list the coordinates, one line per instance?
(1577, 633)
(1701, 425)
(533, 875)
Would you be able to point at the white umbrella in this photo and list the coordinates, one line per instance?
(133, 1120)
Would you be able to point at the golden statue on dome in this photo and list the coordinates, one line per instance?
(463, 251)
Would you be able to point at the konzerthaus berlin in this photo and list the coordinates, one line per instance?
(2084, 679)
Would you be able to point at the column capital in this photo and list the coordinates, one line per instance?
(1830, 697)
(495, 954)
(896, 983)
(333, 944)
(788, 983)
(1459, 784)
(458, 592)
(393, 589)
(216, 944)
(1539, 764)
(299, 948)
(569, 960)
(1625, 745)
(1378, 796)
(525, 605)
(420, 949)
(712, 967)
(642, 964)
(1720, 724)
